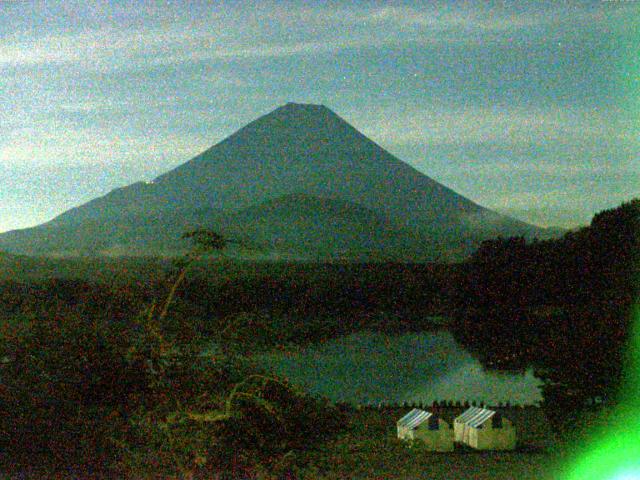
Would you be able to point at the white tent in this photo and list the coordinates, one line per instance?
(484, 429)
(434, 433)
(459, 423)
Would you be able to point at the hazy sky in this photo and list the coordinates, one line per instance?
(530, 108)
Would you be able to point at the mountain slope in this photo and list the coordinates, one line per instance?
(292, 226)
(297, 150)
(303, 226)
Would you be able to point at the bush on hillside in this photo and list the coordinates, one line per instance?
(100, 397)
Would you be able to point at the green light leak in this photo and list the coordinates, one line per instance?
(613, 452)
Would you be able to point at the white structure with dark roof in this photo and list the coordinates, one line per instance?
(484, 429)
(434, 433)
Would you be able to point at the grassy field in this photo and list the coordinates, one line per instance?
(370, 450)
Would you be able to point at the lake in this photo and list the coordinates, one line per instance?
(417, 367)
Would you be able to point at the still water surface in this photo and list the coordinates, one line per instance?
(417, 367)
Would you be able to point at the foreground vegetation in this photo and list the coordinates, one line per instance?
(122, 401)
(132, 398)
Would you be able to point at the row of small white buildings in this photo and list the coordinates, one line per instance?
(479, 428)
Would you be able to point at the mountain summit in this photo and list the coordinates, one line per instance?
(322, 174)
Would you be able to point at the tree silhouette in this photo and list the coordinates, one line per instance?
(562, 306)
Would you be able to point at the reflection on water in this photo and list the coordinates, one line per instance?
(417, 367)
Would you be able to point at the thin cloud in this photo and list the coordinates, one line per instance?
(515, 125)
(76, 147)
(317, 30)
